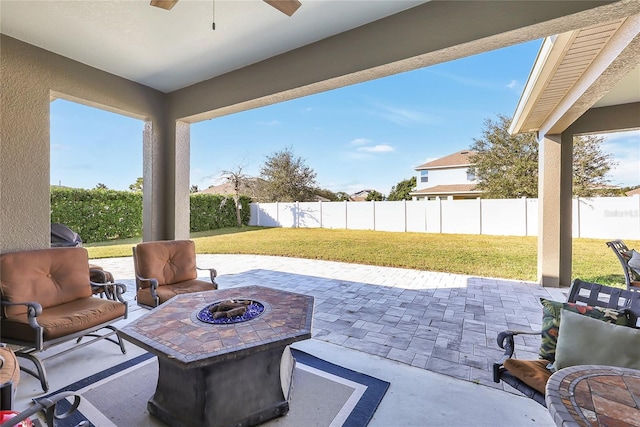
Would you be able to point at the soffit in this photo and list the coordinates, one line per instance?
(171, 49)
(574, 64)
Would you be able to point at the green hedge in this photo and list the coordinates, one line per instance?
(100, 215)
(211, 211)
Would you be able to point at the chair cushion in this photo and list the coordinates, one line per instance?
(167, 292)
(168, 262)
(48, 276)
(533, 373)
(551, 313)
(64, 319)
(586, 341)
(9, 368)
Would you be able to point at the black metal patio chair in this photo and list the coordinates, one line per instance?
(624, 254)
(531, 375)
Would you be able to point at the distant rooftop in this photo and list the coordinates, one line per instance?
(461, 158)
(447, 189)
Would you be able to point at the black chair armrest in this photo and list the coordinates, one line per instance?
(213, 273)
(48, 405)
(113, 291)
(34, 310)
(153, 284)
(506, 341)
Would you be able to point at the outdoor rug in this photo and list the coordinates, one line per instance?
(323, 394)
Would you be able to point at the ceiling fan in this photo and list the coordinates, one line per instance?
(288, 7)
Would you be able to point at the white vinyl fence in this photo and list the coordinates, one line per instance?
(600, 218)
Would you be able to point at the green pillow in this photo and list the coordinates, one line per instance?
(551, 322)
(586, 341)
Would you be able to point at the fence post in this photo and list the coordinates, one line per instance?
(346, 217)
(296, 220)
(405, 215)
(577, 199)
(320, 206)
(278, 214)
(480, 215)
(373, 209)
(526, 216)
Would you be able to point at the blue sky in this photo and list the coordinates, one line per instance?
(367, 136)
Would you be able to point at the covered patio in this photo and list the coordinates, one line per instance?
(422, 331)
(170, 69)
(432, 336)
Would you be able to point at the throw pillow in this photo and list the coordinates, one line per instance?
(587, 341)
(551, 322)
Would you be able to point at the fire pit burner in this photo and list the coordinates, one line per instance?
(230, 311)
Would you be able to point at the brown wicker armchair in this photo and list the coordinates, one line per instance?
(165, 269)
(46, 298)
(530, 376)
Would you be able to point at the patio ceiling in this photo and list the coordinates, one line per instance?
(596, 66)
(169, 50)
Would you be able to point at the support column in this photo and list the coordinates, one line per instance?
(554, 210)
(182, 206)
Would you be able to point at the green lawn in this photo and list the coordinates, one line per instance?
(490, 256)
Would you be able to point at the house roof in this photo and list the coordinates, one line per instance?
(635, 192)
(447, 189)
(459, 159)
(595, 66)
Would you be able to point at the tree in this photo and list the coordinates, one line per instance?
(193, 189)
(341, 196)
(239, 182)
(327, 194)
(287, 178)
(401, 190)
(374, 195)
(137, 186)
(101, 186)
(506, 166)
(590, 167)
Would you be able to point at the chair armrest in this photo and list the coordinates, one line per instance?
(114, 291)
(213, 273)
(34, 310)
(48, 406)
(103, 275)
(153, 284)
(506, 342)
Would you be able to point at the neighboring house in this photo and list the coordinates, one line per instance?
(632, 193)
(360, 196)
(251, 188)
(446, 178)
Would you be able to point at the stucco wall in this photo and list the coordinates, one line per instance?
(30, 78)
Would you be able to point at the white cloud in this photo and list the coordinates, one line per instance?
(59, 147)
(380, 148)
(404, 116)
(513, 84)
(360, 141)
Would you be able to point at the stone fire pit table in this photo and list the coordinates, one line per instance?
(223, 375)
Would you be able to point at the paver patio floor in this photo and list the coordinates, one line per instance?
(445, 323)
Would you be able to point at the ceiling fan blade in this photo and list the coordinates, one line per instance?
(288, 7)
(164, 4)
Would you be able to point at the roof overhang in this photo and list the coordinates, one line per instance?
(592, 67)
